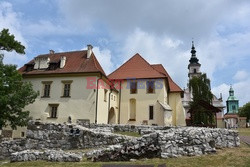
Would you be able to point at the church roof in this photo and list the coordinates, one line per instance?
(76, 62)
(137, 67)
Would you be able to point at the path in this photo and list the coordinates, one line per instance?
(245, 139)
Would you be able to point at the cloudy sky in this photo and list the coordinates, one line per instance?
(161, 31)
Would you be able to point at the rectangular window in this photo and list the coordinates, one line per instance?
(151, 112)
(114, 97)
(66, 91)
(53, 110)
(66, 88)
(111, 97)
(150, 86)
(133, 87)
(105, 94)
(46, 88)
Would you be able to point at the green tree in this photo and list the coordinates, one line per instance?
(201, 91)
(245, 111)
(14, 93)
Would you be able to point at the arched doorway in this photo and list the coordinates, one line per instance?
(111, 119)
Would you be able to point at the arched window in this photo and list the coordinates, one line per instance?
(194, 70)
(132, 110)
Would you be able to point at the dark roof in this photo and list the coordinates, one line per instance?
(76, 62)
(205, 105)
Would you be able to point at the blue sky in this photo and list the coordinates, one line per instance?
(160, 31)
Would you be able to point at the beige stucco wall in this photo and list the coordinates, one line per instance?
(143, 101)
(178, 112)
(81, 104)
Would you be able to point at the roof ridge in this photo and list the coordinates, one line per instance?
(137, 54)
(124, 63)
(61, 52)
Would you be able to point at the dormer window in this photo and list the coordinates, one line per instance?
(53, 65)
(29, 67)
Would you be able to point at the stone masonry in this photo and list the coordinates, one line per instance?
(163, 142)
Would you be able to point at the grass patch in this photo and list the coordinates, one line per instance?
(134, 134)
(239, 156)
(244, 131)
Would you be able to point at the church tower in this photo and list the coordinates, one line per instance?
(194, 65)
(232, 103)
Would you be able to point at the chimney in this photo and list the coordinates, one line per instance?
(89, 51)
(51, 51)
(63, 61)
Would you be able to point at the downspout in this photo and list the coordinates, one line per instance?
(97, 87)
(109, 103)
(120, 94)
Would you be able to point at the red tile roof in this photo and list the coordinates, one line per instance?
(137, 67)
(172, 85)
(76, 62)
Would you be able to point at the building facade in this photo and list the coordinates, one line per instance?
(73, 87)
(194, 70)
(148, 94)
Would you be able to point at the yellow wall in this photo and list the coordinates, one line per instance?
(81, 104)
(143, 101)
(178, 112)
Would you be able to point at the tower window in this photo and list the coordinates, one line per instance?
(195, 70)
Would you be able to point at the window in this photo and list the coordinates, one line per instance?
(66, 88)
(150, 86)
(133, 87)
(114, 97)
(46, 88)
(53, 110)
(66, 92)
(111, 97)
(195, 70)
(105, 94)
(22, 134)
(151, 112)
(132, 113)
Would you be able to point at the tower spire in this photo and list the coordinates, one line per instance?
(193, 58)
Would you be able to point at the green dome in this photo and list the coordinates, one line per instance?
(231, 98)
(231, 95)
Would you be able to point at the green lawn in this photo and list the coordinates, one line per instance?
(239, 156)
(244, 131)
(134, 134)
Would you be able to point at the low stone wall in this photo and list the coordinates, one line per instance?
(48, 155)
(125, 127)
(161, 142)
(58, 136)
(174, 142)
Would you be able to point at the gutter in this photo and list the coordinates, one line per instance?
(119, 113)
(109, 103)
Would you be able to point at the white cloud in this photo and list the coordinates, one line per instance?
(47, 28)
(240, 75)
(158, 50)
(104, 58)
(10, 20)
